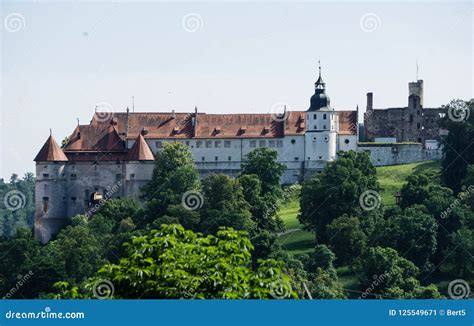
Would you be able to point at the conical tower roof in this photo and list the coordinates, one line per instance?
(140, 151)
(50, 152)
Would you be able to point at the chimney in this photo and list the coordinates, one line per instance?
(126, 123)
(370, 101)
(195, 120)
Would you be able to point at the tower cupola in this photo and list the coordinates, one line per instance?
(320, 99)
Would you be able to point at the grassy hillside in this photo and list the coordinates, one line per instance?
(391, 179)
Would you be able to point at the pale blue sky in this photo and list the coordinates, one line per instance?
(245, 57)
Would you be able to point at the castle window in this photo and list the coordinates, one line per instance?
(208, 143)
(326, 138)
(279, 143)
(187, 142)
(230, 158)
(324, 116)
(324, 127)
(418, 126)
(293, 141)
(45, 199)
(346, 141)
(199, 144)
(216, 158)
(315, 127)
(314, 138)
(227, 143)
(218, 144)
(411, 118)
(253, 143)
(132, 176)
(417, 112)
(271, 143)
(203, 158)
(73, 176)
(45, 175)
(158, 144)
(73, 199)
(297, 158)
(315, 116)
(320, 157)
(261, 143)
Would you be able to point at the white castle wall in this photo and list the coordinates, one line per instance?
(398, 153)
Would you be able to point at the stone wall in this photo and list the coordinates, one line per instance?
(392, 154)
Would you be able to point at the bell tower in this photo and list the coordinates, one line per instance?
(321, 129)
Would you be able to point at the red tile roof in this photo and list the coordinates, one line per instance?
(348, 122)
(90, 138)
(104, 139)
(180, 125)
(140, 151)
(50, 152)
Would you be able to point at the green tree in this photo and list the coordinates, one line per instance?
(336, 191)
(17, 204)
(386, 274)
(78, 250)
(262, 207)
(467, 186)
(457, 255)
(458, 153)
(347, 239)
(412, 232)
(322, 257)
(19, 257)
(177, 263)
(265, 245)
(326, 286)
(415, 191)
(224, 205)
(174, 174)
(263, 163)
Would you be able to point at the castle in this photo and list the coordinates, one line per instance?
(413, 123)
(113, 156)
